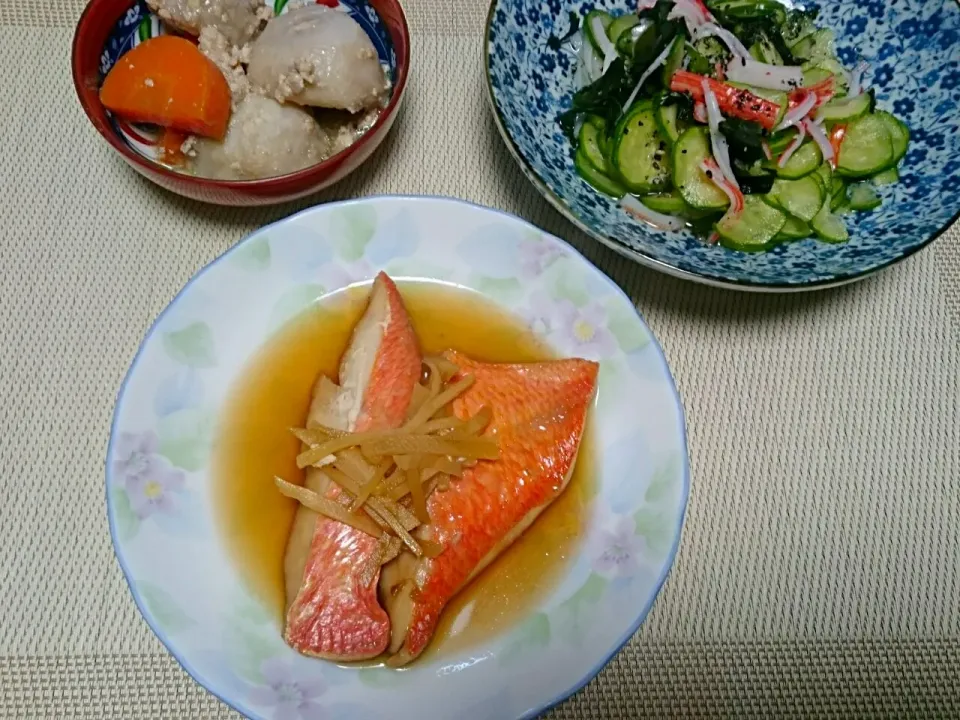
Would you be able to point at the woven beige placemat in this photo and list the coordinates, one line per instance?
(817, 574)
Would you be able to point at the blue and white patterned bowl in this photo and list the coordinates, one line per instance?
(161, 500)
(913, 47)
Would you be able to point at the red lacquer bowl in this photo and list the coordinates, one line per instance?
(93, 31)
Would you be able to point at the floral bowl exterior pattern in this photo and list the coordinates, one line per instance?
(159, 489)
(913, 48)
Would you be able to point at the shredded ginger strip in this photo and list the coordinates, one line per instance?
(385, 477)
(429, 408)
(325, 506)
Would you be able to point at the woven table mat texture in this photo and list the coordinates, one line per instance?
(818, 571)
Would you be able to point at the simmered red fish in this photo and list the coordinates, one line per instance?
(332, 612)
(532, 418)
(539, 411)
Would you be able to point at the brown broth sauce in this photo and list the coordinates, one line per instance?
(254, 445)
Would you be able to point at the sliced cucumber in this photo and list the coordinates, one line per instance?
(591, 143)
(899, 135)
(794, 229)
(764, 51)
(749, 9)
(797, 27)
(845, 109)
(803, 162)
(678, 51)
(598, 179)
(816, 46)
(754, 228)
(825, 174)
(800, 198)
(697, 189)
(712, 50)
(668, 203)
(824, 186)
(640, 153)
(837, 186)
(781, 140)
(832, 67)
(867, 147)
(828, 226)
(620, 25)
(815, 75)
(864, 198)
(667, 122)
(671, 203)
(602, 135)
(590, 22)
(887, 177)
(838, 193)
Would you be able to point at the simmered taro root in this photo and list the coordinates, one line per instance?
(264, 139)
(320, 57)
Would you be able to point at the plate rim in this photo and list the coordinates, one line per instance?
(653, 263)
(373, 199)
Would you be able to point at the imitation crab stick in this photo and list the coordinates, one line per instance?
(735, 102)
(823, 91)
(167, 81)
(836, 140)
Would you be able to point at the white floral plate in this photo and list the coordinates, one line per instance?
(159, 489)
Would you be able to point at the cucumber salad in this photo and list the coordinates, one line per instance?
(732, 118)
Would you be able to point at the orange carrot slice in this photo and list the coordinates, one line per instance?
(167, 81)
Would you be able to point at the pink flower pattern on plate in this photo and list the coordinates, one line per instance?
(618, 551)
(292, 694)
(537, 256)
(150, 481)
(155, 489)
(579, 331)
(132, 454)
